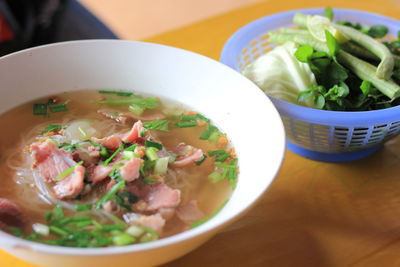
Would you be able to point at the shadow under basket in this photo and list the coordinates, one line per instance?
(331, 136)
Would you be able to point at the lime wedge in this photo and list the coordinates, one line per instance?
(317, 25)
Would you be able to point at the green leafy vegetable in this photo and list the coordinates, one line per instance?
(149, 143)
(328, 12)
(332, 44)
(58, 107)
(161, 125)
(377, 31)
(40, 109)
(119, 93)
(304, 52)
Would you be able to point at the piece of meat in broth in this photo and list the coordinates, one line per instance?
(156, 196)
(99, 173)
(11, 214)
(130, 170)
(155, 221)
(50, 161)
(111, 142)
(187, 156)
(72, 185)
(134, 133)
(189, 212)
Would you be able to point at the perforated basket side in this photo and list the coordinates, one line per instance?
(312, 129)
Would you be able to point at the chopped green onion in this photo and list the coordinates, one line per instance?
(128, 155)
(147, 237)
(123, 239)
(207, 133)
(214, 136)
(149, 180)
(73, 219)
(131, 147)
(215, 177)
(52, 128)
(148, 102)
(116, 175)
(135, 109)
(186, 124)
(83, 224)
(110, 194)
(112, 227)
(113, 155)
(83, 207)
(149, 143)
(188, 118)
(58, 107)
(58, 231)
(119, 93)
(201, 117)
(216, 152)
(161, 125)
(161, 166)
(226, 165)
(40, 109)
(151, 154)
(68, 147)
(134, 230)
(67, 172)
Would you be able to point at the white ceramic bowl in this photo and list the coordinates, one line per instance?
(234, 103)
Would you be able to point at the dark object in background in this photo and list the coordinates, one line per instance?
(27, 23)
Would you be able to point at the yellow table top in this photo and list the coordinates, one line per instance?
(314, 214)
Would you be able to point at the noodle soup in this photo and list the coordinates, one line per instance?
(104, 168)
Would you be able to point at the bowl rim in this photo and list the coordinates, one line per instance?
(207, 227)
(226, 59)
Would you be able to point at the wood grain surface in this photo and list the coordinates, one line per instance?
(314, 214)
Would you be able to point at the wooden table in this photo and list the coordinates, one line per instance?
(314, 214)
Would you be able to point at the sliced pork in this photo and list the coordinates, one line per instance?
(72, 185)
(111, 142)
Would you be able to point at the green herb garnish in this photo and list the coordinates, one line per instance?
(113, 155)
(119, 93)
(52, 128)
(67, 172)
(40, 109)
(161, 125)
(149, 143)
(58, 107)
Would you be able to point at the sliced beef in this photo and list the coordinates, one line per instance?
(155, 221)
(111, 142)
(130, 170)
(156, 196)
(191, 157)
(134, 133)
(11, 214)
(72, 185)
(49, 160)
(189, 212)
(99, 173)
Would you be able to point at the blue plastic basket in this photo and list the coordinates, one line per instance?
(322, 135)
